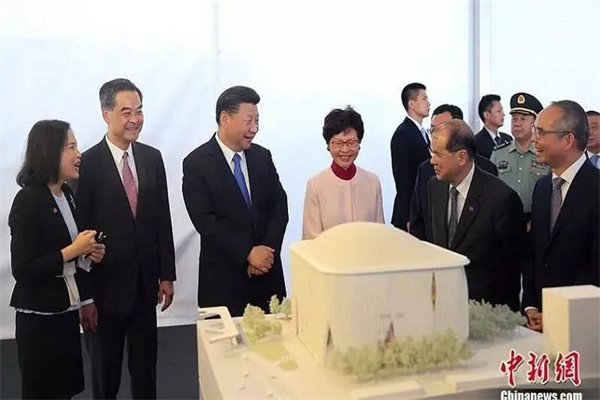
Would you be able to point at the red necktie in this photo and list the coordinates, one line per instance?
(129, 184)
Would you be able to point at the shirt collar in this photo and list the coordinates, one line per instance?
(117, 153)
(492, 134)
(416, 123)
(570, 172)
(227, 152)
(513, 147)
(463, 187)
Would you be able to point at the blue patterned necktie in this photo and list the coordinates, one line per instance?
(498, 139)
(555, 200)
(595, 160)
(453, 223)
(239, 178)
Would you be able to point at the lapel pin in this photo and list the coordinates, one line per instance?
(54, 210)
(471, 208)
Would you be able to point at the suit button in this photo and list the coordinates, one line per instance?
(546, 266)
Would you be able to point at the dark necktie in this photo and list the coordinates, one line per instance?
(556, 200)
(497, 139)
(425, 136)
(239, 178)
(453, 222)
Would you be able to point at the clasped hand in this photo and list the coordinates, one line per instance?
(260, 260)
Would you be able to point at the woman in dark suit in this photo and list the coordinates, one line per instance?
(50, 261)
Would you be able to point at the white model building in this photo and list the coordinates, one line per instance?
(362, 283)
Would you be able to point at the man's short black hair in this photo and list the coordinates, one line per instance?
(455, 111)
(410, 92)
(230, 100)
(486, 103)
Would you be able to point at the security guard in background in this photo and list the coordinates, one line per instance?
(516, 160)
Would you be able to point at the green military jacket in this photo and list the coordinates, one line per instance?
(519, 170)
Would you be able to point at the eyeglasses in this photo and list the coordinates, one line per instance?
(339, 144)
(537, 133)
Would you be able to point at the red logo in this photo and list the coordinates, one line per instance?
(566, 367)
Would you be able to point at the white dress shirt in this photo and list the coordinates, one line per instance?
(569, 175)
(117, 154)
(228, 153)
(463, 191)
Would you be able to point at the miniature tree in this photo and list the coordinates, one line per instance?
(274, 306)
(487, 321)
(286, 307)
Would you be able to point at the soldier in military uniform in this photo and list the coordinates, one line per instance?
(516, 160)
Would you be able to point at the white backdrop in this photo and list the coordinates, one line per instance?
(304, 58)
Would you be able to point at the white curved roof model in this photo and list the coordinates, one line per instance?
(373, 248)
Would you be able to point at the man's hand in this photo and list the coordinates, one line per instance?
(97, 253)
(165, 292)
(262, 258)
(254, 271)
(534, 319)
(88, 316)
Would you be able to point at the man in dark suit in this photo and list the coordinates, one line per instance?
(565, 211)
(419, 206)
(236, 202)
(476, 214)
(409, 147)
(122, 191)
(491, 113)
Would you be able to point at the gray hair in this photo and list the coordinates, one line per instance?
(108, 92)
(573, 120)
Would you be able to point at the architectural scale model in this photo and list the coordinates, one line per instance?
(362, 283)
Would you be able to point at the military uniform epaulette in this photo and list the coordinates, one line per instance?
(501, 145)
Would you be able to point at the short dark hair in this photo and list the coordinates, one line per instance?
(410, 92)
(455, 111)
(592, 113)
(573, 120)
(339, 120)
(486, 103)
(108, 92)
(460, 137)
(230, 100)
(45, 144)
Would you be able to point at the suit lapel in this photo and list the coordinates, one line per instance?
(470, 209)
(141, 168)
(438, 204)
(253, 179)
(545, 194)
(62, 228)
(576, 191)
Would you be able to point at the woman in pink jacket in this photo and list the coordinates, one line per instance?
(342, 192)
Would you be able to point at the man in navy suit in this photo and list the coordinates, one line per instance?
(122, 191)
(419, 206)
(409, 147)
(565, 211)
(491, 113)
(236, 202)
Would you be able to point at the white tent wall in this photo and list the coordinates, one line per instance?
(303, 57)
(550, 49)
